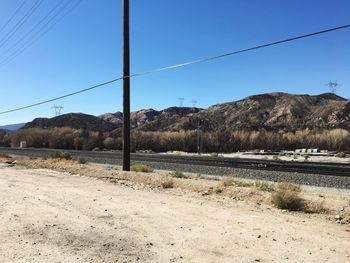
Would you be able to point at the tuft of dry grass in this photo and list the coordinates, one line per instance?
(143, 168)
(178, 174)
(289, 187)
(61, 155)
(167, 182)
(230, 181)
(227, 181)
(81, 160)
(243, 183)
(264, 186)
(313, 207)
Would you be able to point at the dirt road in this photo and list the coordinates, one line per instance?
(47, 216)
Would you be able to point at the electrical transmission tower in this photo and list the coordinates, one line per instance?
(57, 109)
(333, 86)
(181, 101)
(194, 102)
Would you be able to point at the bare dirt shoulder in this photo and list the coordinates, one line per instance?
(51, 216)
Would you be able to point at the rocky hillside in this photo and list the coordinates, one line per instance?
(277, 111)
(151, 119)
(271, 112)
(73, 120)
(113, 121)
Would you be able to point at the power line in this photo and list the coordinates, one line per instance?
(182, 65)
(21, 22)
(241, 51)
(36, 25)
(13, 16)
(44, 29)
(63, 96)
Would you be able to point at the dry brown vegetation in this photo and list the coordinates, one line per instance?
(315, 207)
(228, 181)
(265, 186)
(5, 158)
(140, 167)
(287, 198)
(160, 141)
(167, 182)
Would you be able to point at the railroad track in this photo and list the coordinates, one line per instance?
(330, 169)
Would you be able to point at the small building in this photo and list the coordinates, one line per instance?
(23, 144)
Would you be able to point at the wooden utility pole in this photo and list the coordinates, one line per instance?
(126, 87)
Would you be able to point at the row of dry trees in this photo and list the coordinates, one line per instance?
(219, 141)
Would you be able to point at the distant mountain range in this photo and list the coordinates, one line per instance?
(271, 112)
(12, 127)
(113, 121)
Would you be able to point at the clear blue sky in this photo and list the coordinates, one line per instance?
(85, 49)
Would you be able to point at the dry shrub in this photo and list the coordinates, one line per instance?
(289, 187)
(167, 182)
(218, 190)
(287, 196)
(276, 158)
(5, 155)
(340, 155)
(178, 174)
(143, 168)
(230, 181)
(264, 186)
(61, 155)
(289, 200)
(346, 217)
(314, 207)
(81, 160)
(243, 183)
(6, 158)
(227, 181)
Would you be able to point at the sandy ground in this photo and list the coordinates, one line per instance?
(49, 216)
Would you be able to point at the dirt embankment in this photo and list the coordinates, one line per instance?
(51, 216)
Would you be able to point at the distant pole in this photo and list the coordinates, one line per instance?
(181, 100)
(126, 87)
(199, 135)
